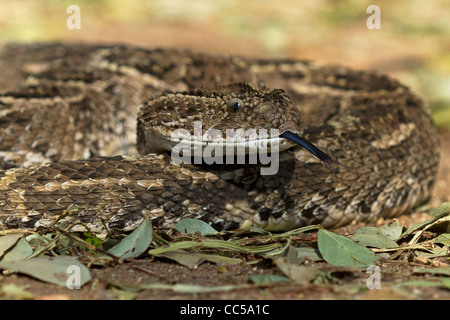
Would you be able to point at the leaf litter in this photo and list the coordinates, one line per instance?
(303, 256)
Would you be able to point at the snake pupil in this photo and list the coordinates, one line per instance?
(234, 105)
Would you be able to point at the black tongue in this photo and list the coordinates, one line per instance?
(322, 156)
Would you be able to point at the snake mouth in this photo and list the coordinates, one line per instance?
(315, 151)
(237, 147)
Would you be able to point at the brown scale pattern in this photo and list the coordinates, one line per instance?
(61, 103)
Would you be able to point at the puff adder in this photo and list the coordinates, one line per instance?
(70, 114)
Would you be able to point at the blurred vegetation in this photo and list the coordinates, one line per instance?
(412, 45)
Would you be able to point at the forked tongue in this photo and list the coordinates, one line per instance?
(322, 156)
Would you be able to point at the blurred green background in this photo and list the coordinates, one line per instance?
(413, 44)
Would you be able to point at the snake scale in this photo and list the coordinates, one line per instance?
(70, 113)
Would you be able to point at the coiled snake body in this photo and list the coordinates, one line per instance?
(62, 102)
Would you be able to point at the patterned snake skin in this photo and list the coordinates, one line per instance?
(61, 102)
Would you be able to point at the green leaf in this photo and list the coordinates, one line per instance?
(20, 251)
(341, 251)
(278, 251)
(192, 225)
(446, 282)
(268, 279)
(297, 273)
(214, 243)
(442, 210)
(392, 230)
(436, 214)
(443, 239)
(8, 241)
(191, 259)
(13, 291)
(92, 239)
(58, 270)
(299, 255)
(445, 271)
(135, 243)
(433, 252)
(373, 237)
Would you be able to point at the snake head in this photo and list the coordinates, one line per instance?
(242, 115)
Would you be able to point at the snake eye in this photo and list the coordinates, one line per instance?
(234, 105)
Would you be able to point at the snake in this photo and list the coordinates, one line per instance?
(87, 136)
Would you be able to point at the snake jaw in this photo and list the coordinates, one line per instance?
(315, 151)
